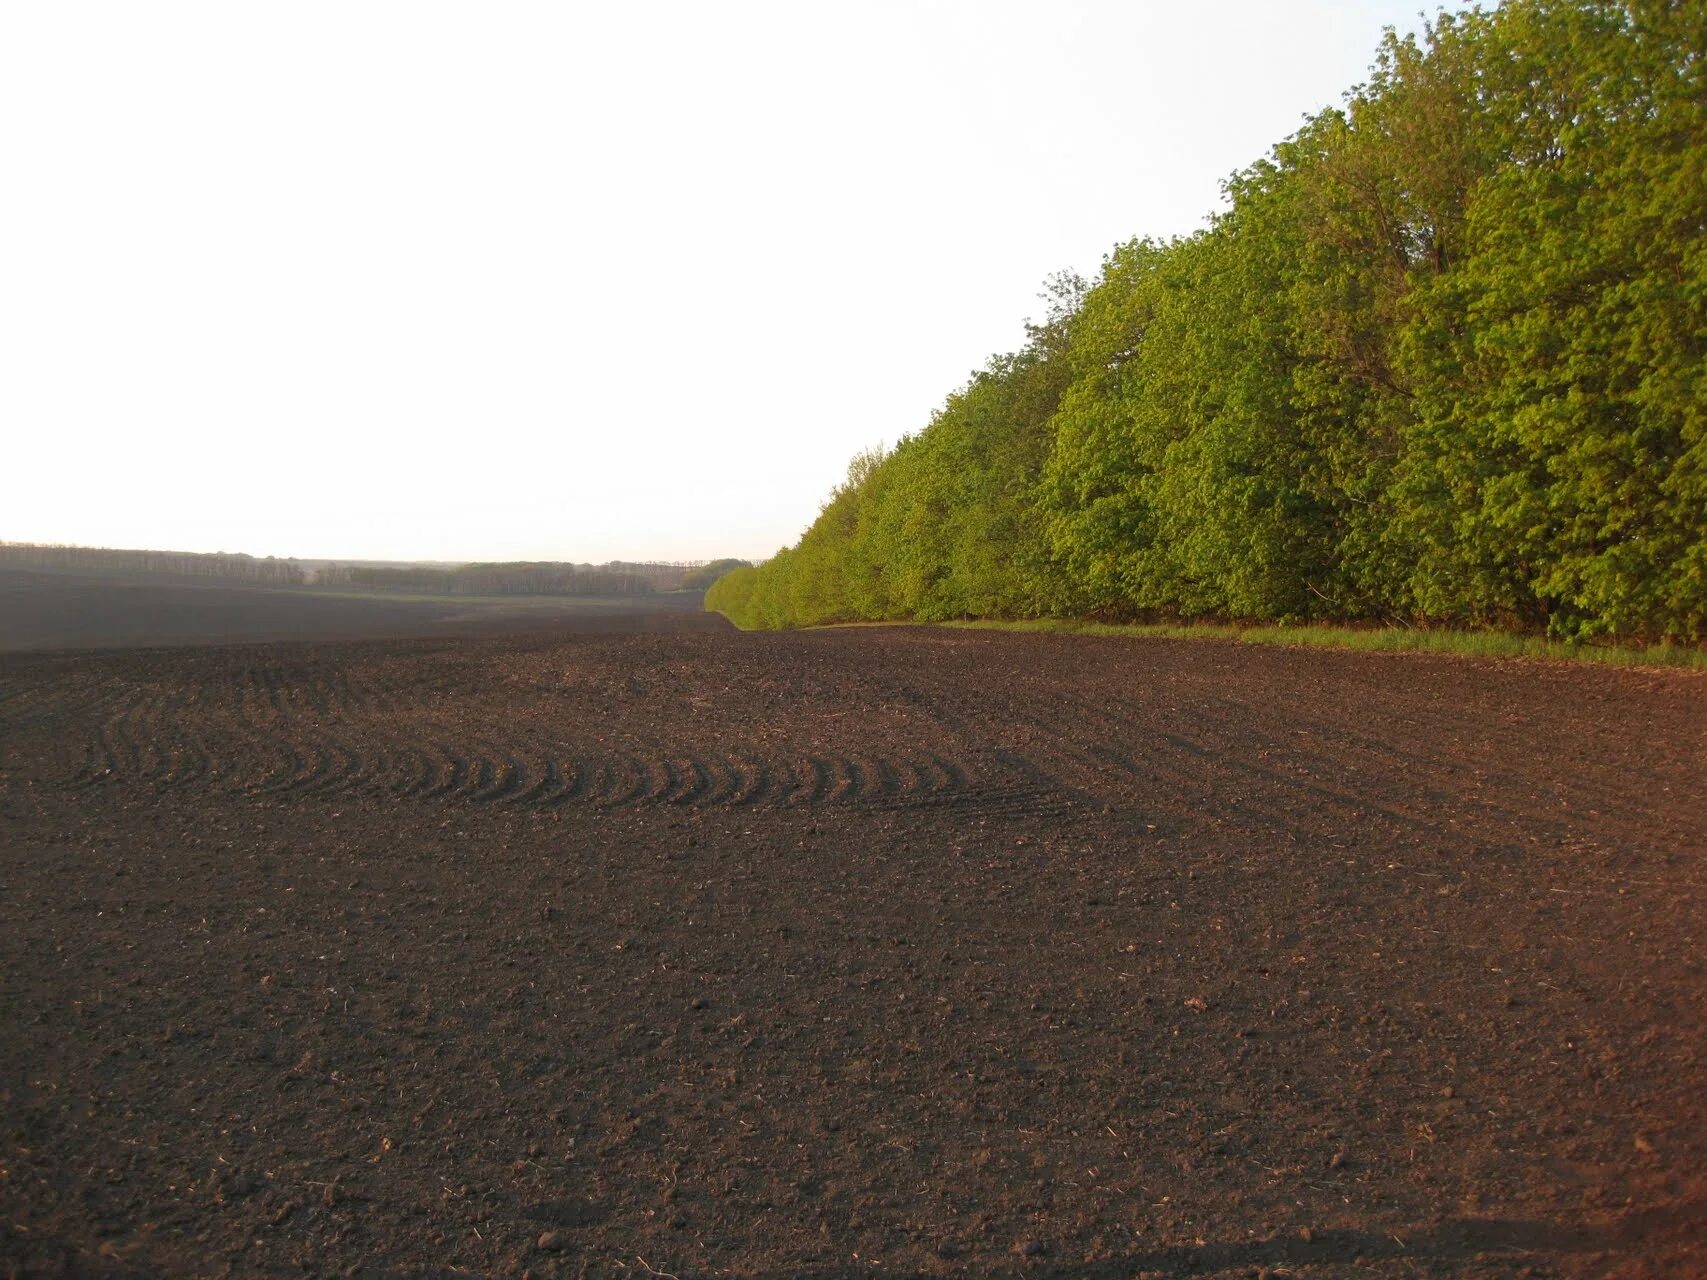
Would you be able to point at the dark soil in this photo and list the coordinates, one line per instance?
(872, 952)
(104, 610)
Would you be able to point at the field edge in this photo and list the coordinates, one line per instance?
(1447, 642)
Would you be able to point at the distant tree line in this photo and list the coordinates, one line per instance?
(219, 564)
(617, 578)
(519, 578)
(1442, 361)
(702, 577)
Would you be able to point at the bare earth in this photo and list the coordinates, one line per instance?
(41, 611)
(624, 952)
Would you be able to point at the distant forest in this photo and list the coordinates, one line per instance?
(1443, 361)
(527, 578)
(517, 578)
(218, 564)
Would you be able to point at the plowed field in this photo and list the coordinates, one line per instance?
(853, 953)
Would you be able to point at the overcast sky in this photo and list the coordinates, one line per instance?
(568, 281)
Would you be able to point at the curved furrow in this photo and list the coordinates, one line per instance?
(603, 779)
(450, 776)
(116, 702)
(723, 780)
(353, 693)
(849, 781)
(235, 756)
(119, 751)
(321, 763)
(188, 762)
(665, 777)
(399, 769)
(576, 779)
(302, 695)
(102, 763)
(77, 765)
(269, 697)
(754, 783)
(313, 765)
(932, 782)
(915, 778)
(482, 772)
(945, 777)
(727, 784)
(793, 780)
(133, 760)
(418, 770)
(110, 758)
(311, 688)
(345, 697)
(502, 782)
(175, 756)
(624, 780)
(99, 756)
(157, 756)
(373, 697)
(287, 762)
(352, 769)
(334, 691)
(888, 778)
(272, 691)
(247, 697)
(693, 783)
(547, 788)
(822, 781)
(291, 764)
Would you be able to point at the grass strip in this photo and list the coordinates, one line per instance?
(1469, 644)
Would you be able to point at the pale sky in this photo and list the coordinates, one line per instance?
(516, 280)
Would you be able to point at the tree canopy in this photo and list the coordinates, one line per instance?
(1442, 360)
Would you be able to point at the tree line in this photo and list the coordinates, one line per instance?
(702, 576)
(518, 578)
(1441, 361)
(196, 564)
(515, 578)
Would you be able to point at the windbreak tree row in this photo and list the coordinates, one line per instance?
(1443, 360)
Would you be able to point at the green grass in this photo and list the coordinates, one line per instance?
(1473, 644)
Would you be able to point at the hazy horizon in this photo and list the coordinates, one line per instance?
(6, 542)
(421, 283)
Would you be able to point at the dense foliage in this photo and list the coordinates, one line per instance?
(1443, 360)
